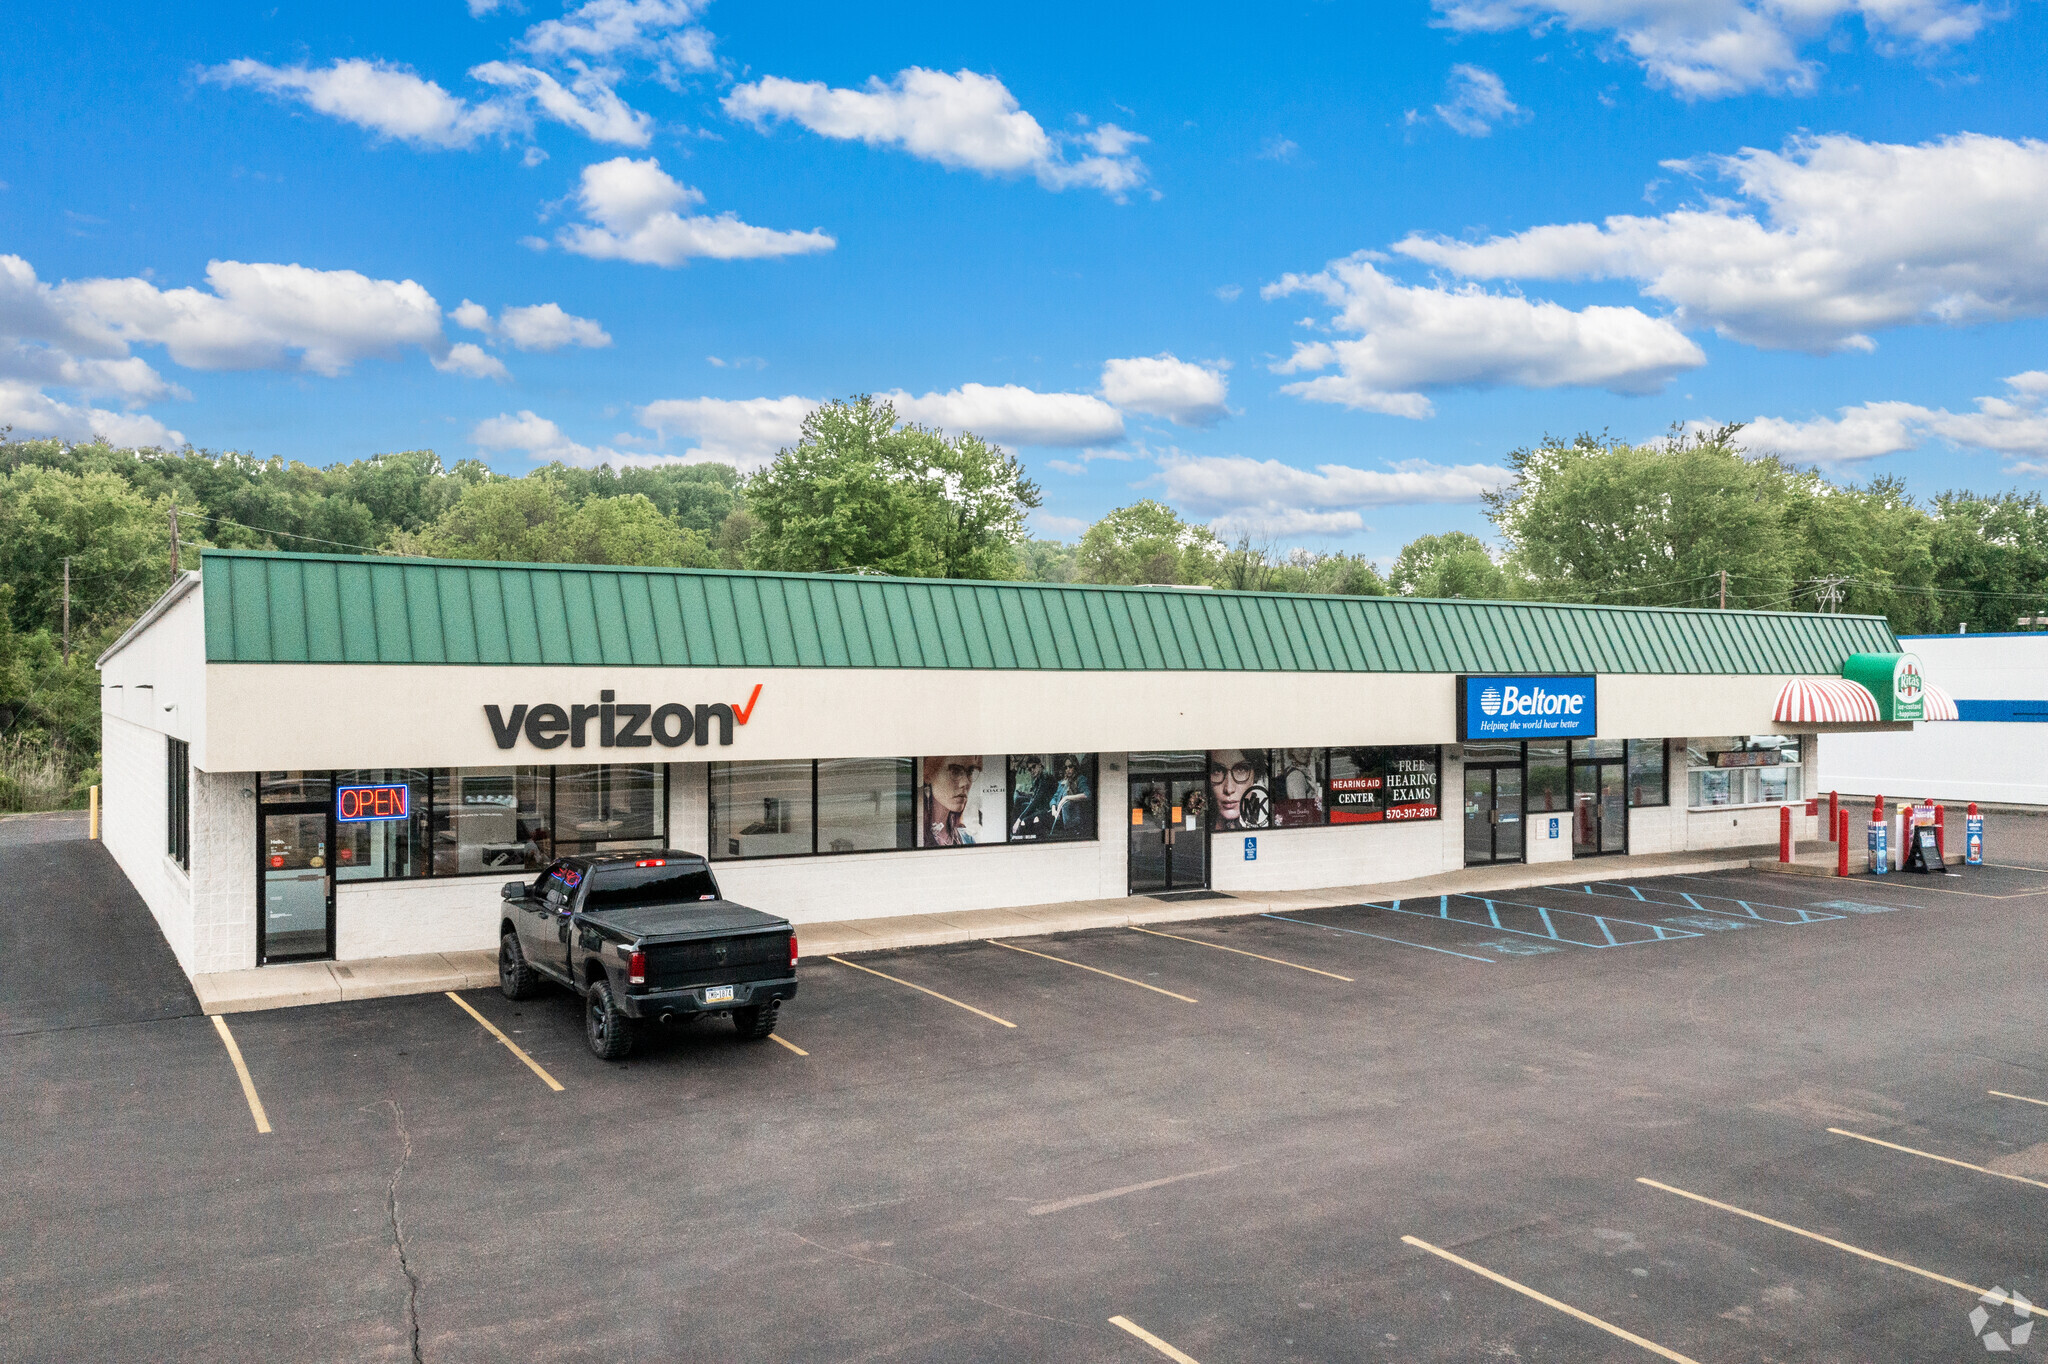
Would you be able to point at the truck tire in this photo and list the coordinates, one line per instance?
(756, 1022)
(605, 1025)
(516, 979)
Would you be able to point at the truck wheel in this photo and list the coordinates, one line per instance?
(756, 1022)
(516, 980)
(605, 1025)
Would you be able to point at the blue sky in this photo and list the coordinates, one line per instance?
(1307, 271)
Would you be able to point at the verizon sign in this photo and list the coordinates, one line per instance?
(612, 723)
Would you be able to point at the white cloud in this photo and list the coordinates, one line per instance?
(588, 103)
(2015, 423)
(632, 206)
(31, 412)
(743, 432)
(1267, 497)
(600, 30)
(386, 98)
(1185, 393)
(539, 326)
(1704, 51)
(468, 358)
(536, 437)
(1014, 414)
(1837, 238)
(1476, 99)
(480, 8)
(962, 121)
(1412, 338)
(266, 316)
(1048, 524)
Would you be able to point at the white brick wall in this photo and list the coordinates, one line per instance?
(133, 826)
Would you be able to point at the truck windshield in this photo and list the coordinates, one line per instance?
(620, 887)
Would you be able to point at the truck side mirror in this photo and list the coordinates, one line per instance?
(512, 890)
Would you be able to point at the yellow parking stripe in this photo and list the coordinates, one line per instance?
(1816, 1236)
(1505, 1282)
(220, 1026)
(1999, 1093)
(933, 993)
(1945, 1160)
(791, 1045)
(510, 1045)
(1098, 971)
(1241, 952)
(1126, 1324)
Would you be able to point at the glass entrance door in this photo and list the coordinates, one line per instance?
(1169, 834)
(295, 887)
(1493, 814)
(1599, 808)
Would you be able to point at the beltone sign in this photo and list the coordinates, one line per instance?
(1528, 708)
(612, 723)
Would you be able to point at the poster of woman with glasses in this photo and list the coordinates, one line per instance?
(1239, 797)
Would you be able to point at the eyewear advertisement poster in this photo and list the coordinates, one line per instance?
(1052, 796)
(1304, 787)
(961, 800)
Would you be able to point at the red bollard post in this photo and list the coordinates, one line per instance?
(1834, 811)
(1940, 833)
(1841, 842)
(1784, 833)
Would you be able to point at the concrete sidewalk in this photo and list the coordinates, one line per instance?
(329, 982)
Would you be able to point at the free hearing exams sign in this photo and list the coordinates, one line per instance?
(1528, 708)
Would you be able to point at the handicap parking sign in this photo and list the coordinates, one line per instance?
(1251, 850)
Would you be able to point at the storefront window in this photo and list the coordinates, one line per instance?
(962, 799)
(1548, 787)
(289, 788)
(864, 804)
(1743, 769)
(609, 809)
(1357, 786)
(380, 843)
(493, 819)
(1052, 797)
(1646, 785)
(1587, 750)
(1414, 777)
(761, 809)
(1238, 795)
(1298, 776)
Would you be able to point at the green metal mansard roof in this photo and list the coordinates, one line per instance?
(321, 608)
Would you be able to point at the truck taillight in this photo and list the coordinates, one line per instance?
(792, 951)
(636, 969)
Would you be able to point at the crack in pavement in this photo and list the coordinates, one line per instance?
(412, 1280)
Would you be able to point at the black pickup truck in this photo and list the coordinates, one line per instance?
(644, 937)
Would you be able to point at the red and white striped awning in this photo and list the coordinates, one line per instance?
(1939, 705)
(1827, 701)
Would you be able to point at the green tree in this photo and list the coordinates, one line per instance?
(1147, 542)
(533, 520)
(118, 542)
(1990, 560)
(858, 491)
(1599, 520)
(1453, 564)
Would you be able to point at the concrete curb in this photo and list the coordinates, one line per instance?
(332, 982)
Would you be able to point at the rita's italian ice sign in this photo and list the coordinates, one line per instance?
(1895, 680)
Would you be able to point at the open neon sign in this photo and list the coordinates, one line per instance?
(361, 804)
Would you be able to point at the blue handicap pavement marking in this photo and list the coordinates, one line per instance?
(1855, 907)
(1705, 923)
(1665, 896)
(1481, 911)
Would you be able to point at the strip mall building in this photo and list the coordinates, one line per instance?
(311, 757)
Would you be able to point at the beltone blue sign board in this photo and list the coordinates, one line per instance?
(1528, 708)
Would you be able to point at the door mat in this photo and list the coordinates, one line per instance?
(1175, 896)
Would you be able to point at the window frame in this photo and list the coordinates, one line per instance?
(178, 802)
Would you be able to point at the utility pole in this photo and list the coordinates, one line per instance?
(174, 541)
(1724, 589)
(1828, 593)
(67, 608)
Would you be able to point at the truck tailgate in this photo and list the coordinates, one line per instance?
(718, 961)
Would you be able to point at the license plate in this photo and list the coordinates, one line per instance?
(718, 994)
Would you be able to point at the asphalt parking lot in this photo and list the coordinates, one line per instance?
(1732, 1117)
